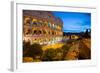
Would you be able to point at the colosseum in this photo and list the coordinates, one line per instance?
(41, 27)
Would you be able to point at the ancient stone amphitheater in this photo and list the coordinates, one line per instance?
(41, 27)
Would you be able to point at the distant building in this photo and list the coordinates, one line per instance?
(41, 27)
(68, 36)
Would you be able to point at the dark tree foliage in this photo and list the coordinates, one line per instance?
(65, 49)
(59, 54)
(86, 34)
(31, 50)
(26, 47)
(49, 55)
(35, 50)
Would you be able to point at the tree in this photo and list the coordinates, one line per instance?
(59, 54)
(65, 49)
(86, 34)
(49, 55)
(35, 51)
(26, 47)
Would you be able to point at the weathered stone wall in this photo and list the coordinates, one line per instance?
(41, 27)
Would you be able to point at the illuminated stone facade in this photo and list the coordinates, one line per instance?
(41, 27)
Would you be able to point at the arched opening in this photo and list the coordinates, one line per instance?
(44, 32)
(53, 33)
(45, 23)
(49, 24)
(34, 23)
(49, 32)
(27, 21)
(34, 32)
(40, 23)
(26, 31)
(37, 32)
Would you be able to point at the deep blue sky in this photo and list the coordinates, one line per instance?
(74, 21)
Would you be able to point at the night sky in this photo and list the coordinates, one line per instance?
(74, 21)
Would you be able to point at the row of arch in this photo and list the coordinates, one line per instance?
(36, 31)
(36, 22)
(46, 40)
(41, 40)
